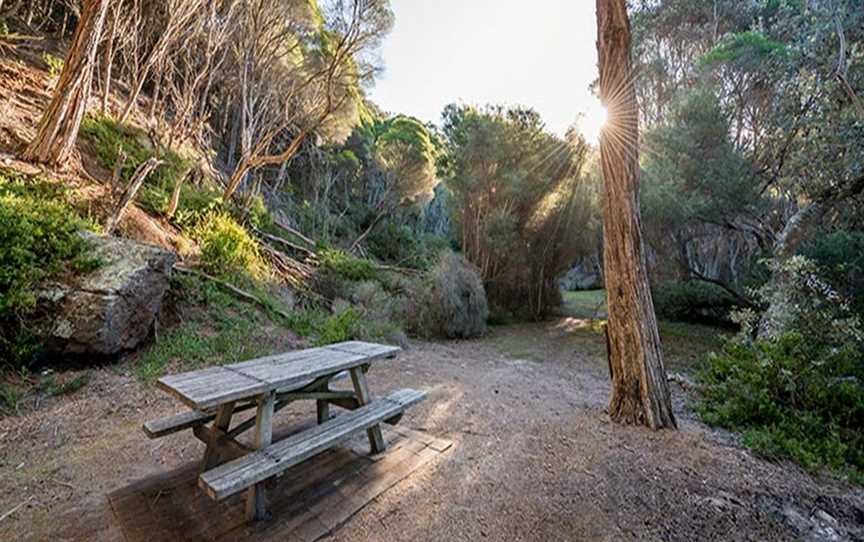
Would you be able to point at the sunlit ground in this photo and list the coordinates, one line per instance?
(578, 335)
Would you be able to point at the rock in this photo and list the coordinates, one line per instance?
(111, 309)
(586, 274)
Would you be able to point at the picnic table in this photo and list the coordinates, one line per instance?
(267, 385)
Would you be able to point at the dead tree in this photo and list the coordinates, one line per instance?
(640, 392)
(129, 193)
(179, 16)
(58, 129)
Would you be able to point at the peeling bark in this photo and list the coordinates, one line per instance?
(58, 129)
(640, 391)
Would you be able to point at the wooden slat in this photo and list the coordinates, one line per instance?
(233, 477)
(208, 388)
(172, 424)
(211, 387)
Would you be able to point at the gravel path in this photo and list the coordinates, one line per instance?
(535, 458)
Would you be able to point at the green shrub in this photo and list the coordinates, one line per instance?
(798, 390)
(52, 387)
(795, 396)
(450, 302)
(227, 249)
(4, 28)
(402, 246)
(692, 301)
(109, 137)
(54, 63)
(347, 266)
(38, 240)
(10, 396)
(340, 327)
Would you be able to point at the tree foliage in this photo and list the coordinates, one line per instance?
(519, 198)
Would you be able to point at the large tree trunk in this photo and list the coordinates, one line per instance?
(58, 129)
(640, 392)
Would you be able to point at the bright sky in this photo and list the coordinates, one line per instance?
(538, 53)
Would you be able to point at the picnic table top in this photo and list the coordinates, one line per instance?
(207, 388)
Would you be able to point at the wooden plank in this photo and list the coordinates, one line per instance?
(208, 388)
(256, 500)
(172, 424)
(233, 477)
(376, 439)
(202, 390)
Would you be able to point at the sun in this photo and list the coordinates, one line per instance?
(591, 121)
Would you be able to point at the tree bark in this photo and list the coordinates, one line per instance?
(58, 129)
(640, 391)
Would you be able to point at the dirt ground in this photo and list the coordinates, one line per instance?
(535, 457)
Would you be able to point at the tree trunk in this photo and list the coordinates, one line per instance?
(58, 129)
(640, 392)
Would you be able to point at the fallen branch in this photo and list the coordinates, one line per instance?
(738, 296)
(10, 512)
(294, 232)
(233, 289)
(287, 243)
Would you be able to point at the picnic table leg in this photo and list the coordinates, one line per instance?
(323, 411)
(222, 422)
(376, 439)
(256, 499)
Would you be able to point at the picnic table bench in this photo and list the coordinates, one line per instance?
(268, 385)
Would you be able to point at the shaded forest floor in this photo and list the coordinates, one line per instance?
(535, 456)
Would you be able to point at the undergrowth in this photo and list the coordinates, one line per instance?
(791, 397)
(109, 138)
(39, 240)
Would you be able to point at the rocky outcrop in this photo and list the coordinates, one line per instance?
(111, 309)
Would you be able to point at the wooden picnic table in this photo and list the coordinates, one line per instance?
(268, 385)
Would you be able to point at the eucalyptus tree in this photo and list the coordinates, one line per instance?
(300, 69)
(58, 129)
(640, 391)
(517, 199)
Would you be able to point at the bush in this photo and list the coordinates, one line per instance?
(347, 266)
(38, 240)
(227, 249)
(402, 246)
(338, 328)
(450, 301)
(798, 391)
(692, 301)
(794, 396)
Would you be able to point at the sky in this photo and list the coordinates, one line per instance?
(537, 53)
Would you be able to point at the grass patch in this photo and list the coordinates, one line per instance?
(10, 396)
(222, 330)
(585, 303)
(67, 386)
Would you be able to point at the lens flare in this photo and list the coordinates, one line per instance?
(592, 121)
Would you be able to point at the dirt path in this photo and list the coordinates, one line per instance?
(535, 457)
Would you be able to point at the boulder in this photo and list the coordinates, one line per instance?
(111, 309)
(586, 274)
